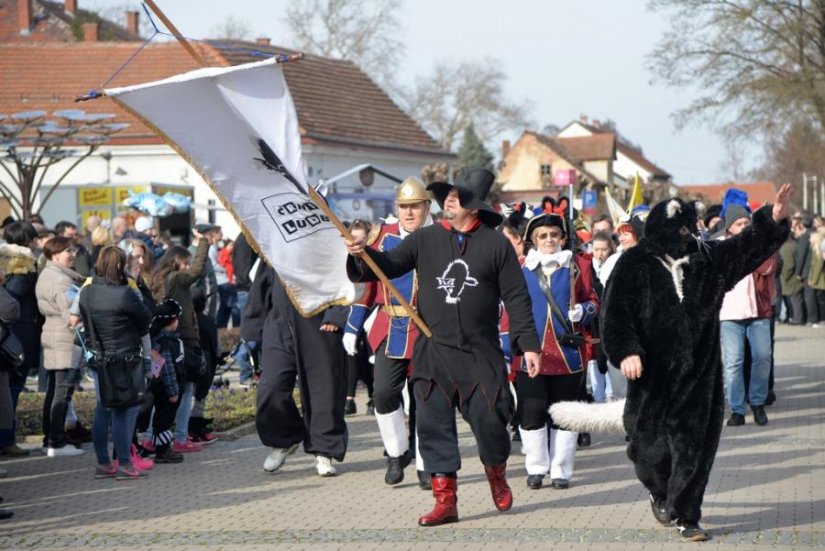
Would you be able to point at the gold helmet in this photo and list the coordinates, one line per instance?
(411, 191)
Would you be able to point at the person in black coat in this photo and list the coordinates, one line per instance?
(464, 268)
(21, 278)
(660, 324)
(310, 350)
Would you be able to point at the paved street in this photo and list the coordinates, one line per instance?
(767, 490)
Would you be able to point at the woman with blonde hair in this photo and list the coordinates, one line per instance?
(101, 236)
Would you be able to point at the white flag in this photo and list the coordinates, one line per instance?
(238, 127)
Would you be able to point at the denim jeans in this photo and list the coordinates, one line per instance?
(228, 306)
(183, 413)
(600, 384)
(122, 422)
(61, 383)
(734, 333)
(245, 349)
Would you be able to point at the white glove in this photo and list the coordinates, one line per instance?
(576, 313)
(350, 340)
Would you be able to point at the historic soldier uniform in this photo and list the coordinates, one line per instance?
(461, 277)
(391, 337)
(562, 361)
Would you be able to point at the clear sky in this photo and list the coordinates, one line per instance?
(568, 57)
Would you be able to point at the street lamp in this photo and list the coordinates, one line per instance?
(34, 141)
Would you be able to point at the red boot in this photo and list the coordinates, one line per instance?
(502, 495)
(445, 510)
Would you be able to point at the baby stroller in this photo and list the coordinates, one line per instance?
(228, 362)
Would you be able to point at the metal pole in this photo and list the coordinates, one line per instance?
(804, 191)
(822, 198)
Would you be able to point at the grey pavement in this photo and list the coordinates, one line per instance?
(767, 490)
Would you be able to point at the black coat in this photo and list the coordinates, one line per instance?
(30, 323)
(243, 258)
(462, 278)
(674, 412)
(115, 314)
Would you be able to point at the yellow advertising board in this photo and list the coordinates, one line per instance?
(94, 196)
(122, 192)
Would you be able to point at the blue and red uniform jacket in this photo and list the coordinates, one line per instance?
(396, 328)
(555, 358)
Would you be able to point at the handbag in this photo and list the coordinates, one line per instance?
(11, 349)
(121, 382)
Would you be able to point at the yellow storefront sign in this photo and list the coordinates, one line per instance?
(94, 196)
(122, 192)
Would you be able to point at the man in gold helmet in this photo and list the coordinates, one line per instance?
(392, 334)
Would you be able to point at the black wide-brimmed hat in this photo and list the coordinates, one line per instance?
(472, 185)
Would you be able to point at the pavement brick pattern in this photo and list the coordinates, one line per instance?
(767, 491)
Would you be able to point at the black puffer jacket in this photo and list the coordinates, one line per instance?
(115, 314)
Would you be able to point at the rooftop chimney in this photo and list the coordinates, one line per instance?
(133, 22)
(505, 149)
(91, 32)
(263, 40)
(24, 16)
(70, 6)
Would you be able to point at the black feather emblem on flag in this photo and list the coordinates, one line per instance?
(272, 162)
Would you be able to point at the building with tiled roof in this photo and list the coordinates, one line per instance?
(629, 160)
(345, 119)
(528, 166)
(28, 21)
(759, 193)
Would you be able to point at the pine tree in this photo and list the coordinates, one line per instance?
(472, 151)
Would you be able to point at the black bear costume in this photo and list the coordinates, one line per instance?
(662, 303)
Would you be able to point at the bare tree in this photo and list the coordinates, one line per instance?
(796, 151)
(367, 32)
(756, 63)
(733, 166)
(231, 29)
(459, 94)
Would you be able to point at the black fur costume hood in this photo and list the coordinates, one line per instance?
(669, 316)
(670, 227)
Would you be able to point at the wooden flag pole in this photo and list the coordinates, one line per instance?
(322, 204)
(183, 42)
(313, 195)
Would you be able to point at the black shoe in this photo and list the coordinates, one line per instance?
(395, 468)
(371, 407)
(583, 439)
(425, 481)
(516, 436)
(691, 531)
(6, 513)
(535, 481)
(169, 456)
(560, 483)
(350, 409)
(770, 398)
(736, 420)
(657, 505)
(759, 415)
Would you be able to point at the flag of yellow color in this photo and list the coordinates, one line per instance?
(636, 198)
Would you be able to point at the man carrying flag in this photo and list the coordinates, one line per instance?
(464, 268)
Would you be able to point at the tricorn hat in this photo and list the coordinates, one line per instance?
(547, 219)
(472, 185)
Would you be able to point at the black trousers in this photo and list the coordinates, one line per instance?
(359, 367)
(437, 432)
(812, 313)
(61, 385)
(164, 418)
(535, 395)
(316, 359)
(390, 378)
